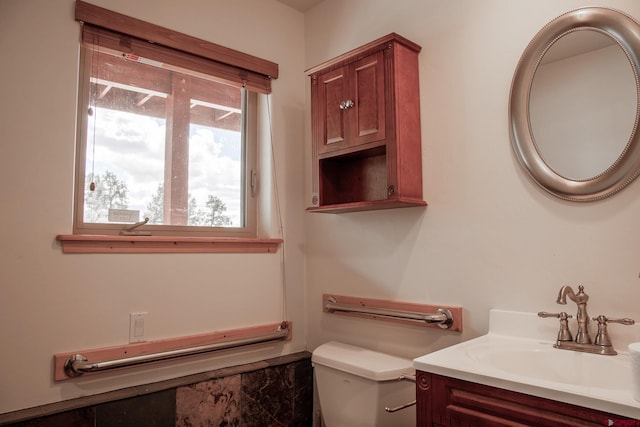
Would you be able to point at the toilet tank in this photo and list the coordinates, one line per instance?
(356, 384)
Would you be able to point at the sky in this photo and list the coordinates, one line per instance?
(132, 147)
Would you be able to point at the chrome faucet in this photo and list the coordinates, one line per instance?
(582, 342)
(582, 336)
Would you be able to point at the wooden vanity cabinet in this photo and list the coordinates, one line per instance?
(365, 119)
(447, 402)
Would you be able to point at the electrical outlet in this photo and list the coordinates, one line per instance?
(137, 323)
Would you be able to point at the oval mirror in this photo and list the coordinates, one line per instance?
(574, 105)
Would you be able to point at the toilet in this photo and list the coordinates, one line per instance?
(355, 385)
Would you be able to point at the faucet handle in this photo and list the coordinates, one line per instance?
(564, 334)
(624, 320)
(602, 337)
(602, 319)
(560, 315)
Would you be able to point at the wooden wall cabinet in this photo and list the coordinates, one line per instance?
(446, 402)
(365, 117)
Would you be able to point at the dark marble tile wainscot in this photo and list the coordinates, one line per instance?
(275, 392)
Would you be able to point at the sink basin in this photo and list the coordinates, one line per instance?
(517, 354)
(540, 361)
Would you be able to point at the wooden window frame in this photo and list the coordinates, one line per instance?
(240, 69)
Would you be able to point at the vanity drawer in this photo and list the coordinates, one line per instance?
(448, 402)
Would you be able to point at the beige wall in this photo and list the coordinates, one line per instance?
(489, 238)
(51, 302)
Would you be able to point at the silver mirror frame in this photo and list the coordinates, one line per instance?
(626, 32)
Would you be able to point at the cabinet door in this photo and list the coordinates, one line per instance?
(331, 91)
(367, 119)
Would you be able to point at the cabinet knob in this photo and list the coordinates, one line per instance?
(346, 104)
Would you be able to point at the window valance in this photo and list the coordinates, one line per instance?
(116, 33)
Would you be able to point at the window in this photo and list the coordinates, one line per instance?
(163, 133)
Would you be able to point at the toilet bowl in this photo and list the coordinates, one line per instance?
(355, 385)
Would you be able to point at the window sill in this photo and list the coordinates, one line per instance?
(93, 244)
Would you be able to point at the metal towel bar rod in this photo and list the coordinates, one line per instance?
(443, 318)
(78, 364)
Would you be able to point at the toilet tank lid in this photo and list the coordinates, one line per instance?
(359, 361)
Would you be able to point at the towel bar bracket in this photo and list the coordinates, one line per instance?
(69, 365)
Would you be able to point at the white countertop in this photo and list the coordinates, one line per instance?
(607, 387)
